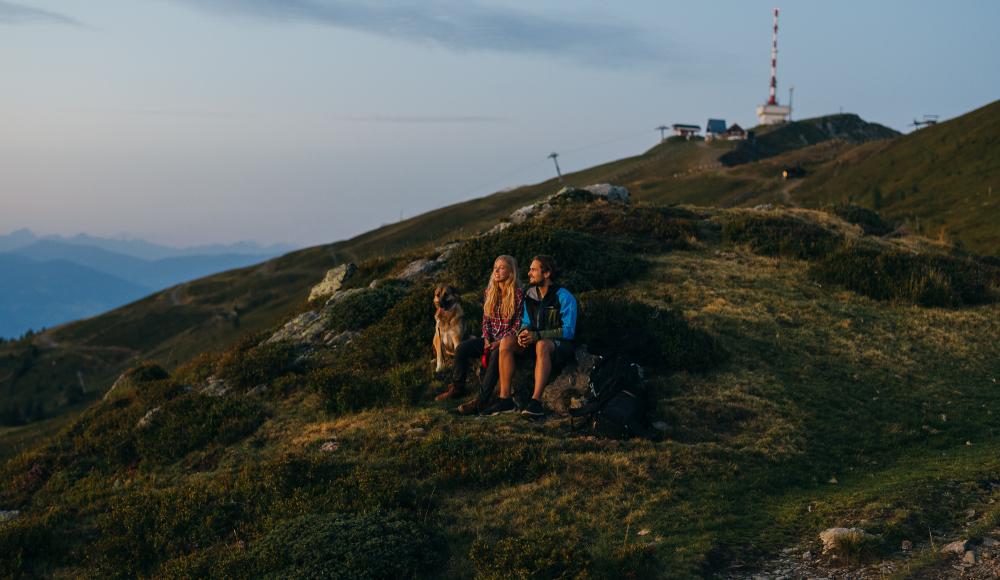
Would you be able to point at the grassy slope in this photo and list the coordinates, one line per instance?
(941, 175)
(822, 384)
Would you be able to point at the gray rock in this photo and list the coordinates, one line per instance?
(9, 515)
(956, 547)
(330, 446)
(214, 387)
(609, 192)
(446, 251)
(418, 268)
(332, 282)
(147, 419)
(832, 537)
(523, 214)
(312, 327)
(571, 385)
(497, 228)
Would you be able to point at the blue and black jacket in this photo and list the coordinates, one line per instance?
(553, 317)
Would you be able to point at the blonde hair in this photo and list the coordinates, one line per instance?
(502, 297)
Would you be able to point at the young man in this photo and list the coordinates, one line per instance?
(548, 327)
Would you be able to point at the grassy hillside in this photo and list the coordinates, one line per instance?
(214, 312)
(937, 180)
(807, 376)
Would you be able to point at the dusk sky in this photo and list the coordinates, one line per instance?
(309, 121)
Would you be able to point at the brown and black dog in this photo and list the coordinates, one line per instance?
(449, 326)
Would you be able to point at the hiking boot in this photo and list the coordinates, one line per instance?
(533, 409)
(452, 392)
(471, 407)
(502, 406)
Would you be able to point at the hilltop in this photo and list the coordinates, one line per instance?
(805, 375)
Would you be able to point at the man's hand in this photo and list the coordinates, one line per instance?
(527, 338)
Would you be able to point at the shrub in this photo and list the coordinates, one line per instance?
(612, 324)
(145, 527)
(646, 228)
(377, 544)
(926, 280)
(363, 309)
(246, 368)
(869, 221)
(533, 555)
(146, 372)
(588, 262)
(193, 421)
(403, 335)
(28, 541)
(785, 236)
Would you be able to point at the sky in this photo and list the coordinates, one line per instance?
(310, 121)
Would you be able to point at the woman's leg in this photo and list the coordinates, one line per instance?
(466, 352)
(490, 378)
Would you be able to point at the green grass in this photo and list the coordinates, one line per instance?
(817, 383)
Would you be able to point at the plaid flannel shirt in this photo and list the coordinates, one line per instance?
(495, 327)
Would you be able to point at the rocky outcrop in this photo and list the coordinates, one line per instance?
(312, 327)
(332, 282)
(417, 269)
(9, 515)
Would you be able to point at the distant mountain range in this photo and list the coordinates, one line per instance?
(142, 249)
(49, 280)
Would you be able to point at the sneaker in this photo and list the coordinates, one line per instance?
(502, 406)
(452, 392)
(534, 409)
(469, 407)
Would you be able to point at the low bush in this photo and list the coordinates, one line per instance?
(27, 542)
(403, 335)
(376, 544)
(871, 222)
(532, 555)
(645, 228)
(193, 421)
(246, 368)
(588, 262)
(784, 236)
(142, 528)
(922, 279)
(365, 308)
(612, 324)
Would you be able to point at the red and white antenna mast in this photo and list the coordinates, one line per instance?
(772, 99)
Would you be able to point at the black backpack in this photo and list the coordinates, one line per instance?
(617, 405)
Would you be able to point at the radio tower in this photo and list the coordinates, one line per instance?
(771, 113)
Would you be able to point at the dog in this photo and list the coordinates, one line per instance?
(449, 323)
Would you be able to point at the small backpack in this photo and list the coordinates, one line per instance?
(617, 404)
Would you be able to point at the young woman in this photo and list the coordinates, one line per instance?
(502, 306)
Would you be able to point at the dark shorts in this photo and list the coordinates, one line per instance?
(564, 352)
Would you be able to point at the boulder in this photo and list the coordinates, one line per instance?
(446, 251)
(418, 268)
(147, 419)
(332, 282)
(564, 390)
(956, 547)
(609, 192)
(6, 516)
(832, 537)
